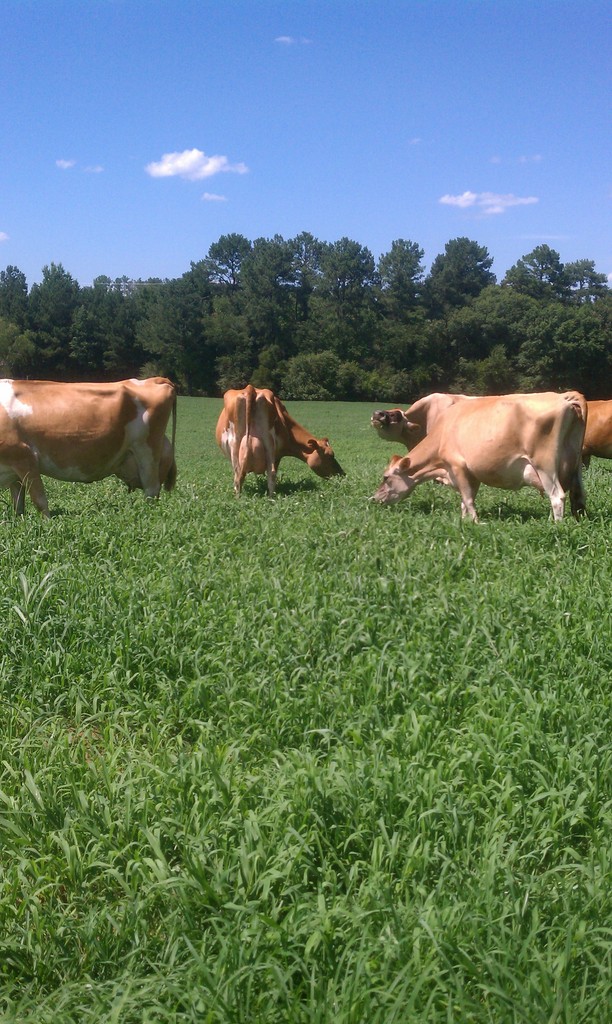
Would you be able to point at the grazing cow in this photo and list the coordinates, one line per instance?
(598, 434)
(85, 432)
(255, 431)
(506, 441)
(411, 426)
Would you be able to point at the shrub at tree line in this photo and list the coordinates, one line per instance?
(318, 320)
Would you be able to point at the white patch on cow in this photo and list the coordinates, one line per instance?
(139, 383)
(228, 439)
(13, 407)
(137, 429)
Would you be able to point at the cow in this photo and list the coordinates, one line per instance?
(598, 434)
(85, 432)
(255, 431)
(410, 427)
(507, 441)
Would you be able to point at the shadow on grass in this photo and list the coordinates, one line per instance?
(259, 486)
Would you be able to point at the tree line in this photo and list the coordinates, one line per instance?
(319, 320)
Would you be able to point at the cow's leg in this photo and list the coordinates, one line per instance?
(32, 483)
(239, 478)
(18, 491)
(25, 467)
(557, 501)
(271, 479)
(270, 450)
(467, 485)
(555, 494)
(547, 482)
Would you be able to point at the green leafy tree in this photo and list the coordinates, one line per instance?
(539, 274)
(172, 329)
(305, 271)
(584, 283)
(567, 347)
(14, 296)
(267, 282)
(346, 313)
(103, 336)
(400, 273)
(87, 341)
(496, 374)
(51, 307)
(498, 316)
(228, 335)
(18, 351)
(311, 376)
(224, 260)
(457, 276)
(270, 368)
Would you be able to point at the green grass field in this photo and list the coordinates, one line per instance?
(305, 760)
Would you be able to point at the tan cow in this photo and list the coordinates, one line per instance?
(85, 432)
(507, 441)
(411, 426)
(419, 419)
(255, 431)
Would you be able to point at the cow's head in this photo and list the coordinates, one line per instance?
(321, 458)
(394, 425)
(397, 482)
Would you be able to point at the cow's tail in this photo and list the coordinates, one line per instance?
(244, 416)
(170, 480)
(571, 472)
(250, 400)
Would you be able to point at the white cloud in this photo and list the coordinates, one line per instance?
(212, 197)
(535, 158)
(65, 165)
(487, 202)
(193, 165)
(95, 169)
(292, 40)
(416, 141)
(3, 236)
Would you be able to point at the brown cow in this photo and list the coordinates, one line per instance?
(255, 431)
(85, 432)
(507, 441)
(598, 434)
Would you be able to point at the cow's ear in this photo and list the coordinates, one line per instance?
(411, 426)
(312, 445)
(394, 461)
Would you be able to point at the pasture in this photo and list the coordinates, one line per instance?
(305, 760)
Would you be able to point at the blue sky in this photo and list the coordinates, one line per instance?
(134, 133)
